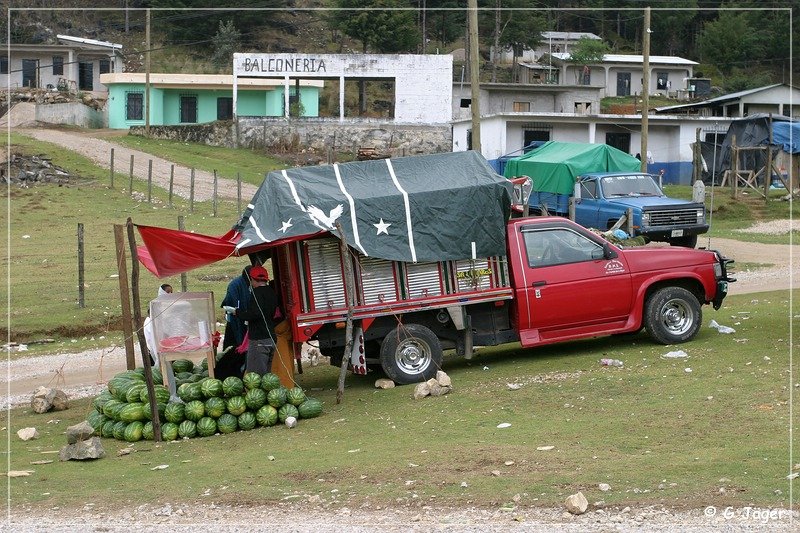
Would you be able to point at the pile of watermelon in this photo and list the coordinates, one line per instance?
(207, 405)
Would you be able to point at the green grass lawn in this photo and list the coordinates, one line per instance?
(655, 432)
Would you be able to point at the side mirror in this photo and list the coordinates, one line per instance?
(609, 252)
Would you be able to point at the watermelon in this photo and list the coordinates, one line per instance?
(270, 381)
(286, 411)
(134, 393)
(175, 412)
(311, 408)
(169, 431)
(184, 376)
(196, 378)
(133, 432)
(162, 407)
(206, 426)
(267, 416)
(132, 412)
(195, 410)
(247, 420)
(119, 430)
(252, 380)
(191, 391)
(101, 400)
(255, 398)
(232, 386)
(108, 429)
(157, 377)
(132, 374)
(122, 390)
(204, 365)
(147, 431)
(162, 394)
(236, 405)
(187, 429)
(295, 396)
(182, 365)
(215, 407)
(211, 388)
(96, 420)
(139, 370)
(111, 408)
(277, 397)
(227, 423)
(116, 382)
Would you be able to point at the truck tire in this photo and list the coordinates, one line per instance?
(672, 315)
(690, 241)
(411, 353)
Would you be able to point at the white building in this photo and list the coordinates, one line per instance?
(552, 42)
(779, 99)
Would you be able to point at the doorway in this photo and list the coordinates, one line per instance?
(623, 83)
(86, 76)
(620, 141)
(30, 71)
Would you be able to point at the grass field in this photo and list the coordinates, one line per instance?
(657, 433)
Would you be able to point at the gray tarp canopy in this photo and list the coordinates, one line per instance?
(421, 208)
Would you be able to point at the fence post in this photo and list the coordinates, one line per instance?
(124, 293)
(214, 196)
(181, 227)
(111, 172)
(239, 193)
(171, 181)
(81, 283)
(191, 192)
(149, 180)
(130, 178)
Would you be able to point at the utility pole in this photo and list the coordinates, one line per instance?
(474, 74)
(147, 77)
(645, 86)
(127, 18)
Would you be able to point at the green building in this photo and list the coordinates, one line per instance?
(180, 99)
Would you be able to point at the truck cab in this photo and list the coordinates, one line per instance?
(601, 198)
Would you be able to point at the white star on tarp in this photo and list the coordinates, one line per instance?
(383, 227)
(286, 225)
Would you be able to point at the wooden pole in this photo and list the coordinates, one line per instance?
(184, 280)
(137, 314)
(149, 180)
(474, 73)
(147, 75)
(734, 167)
(171, 182)
(697, 158)
(214, 196)
(239, 193)
(111, 169)
(130, 178)
(81, 282)
(350, 285)
(645, 86)
(191, 192)
(124, 294)
(768, 168)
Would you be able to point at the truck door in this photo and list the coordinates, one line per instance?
(587, 210)
(569, 285)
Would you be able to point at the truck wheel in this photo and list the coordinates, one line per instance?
(411, 353)
(690, 241)
(672, 315)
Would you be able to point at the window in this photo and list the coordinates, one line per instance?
(589, 189)
(662, 81)
(558, 246)
(189, 109)
(105, 66)
(585, 77)
(4, 65)
(58, 66)
(619, 140)
(583, 108)
(134, 106)
(522, 107)
(224, 108)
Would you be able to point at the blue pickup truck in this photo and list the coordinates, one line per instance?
(605, 183)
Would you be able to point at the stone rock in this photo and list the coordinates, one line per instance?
(576, 503)
(28, 434)
(440, 391)
(79, 432)
(604, 487)
(443, 379)
(82, 450)
(45, 398)
(291, 422)
(421, 390)
(384, 383)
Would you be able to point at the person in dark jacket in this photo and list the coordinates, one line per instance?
(237, 295)
(260, 322)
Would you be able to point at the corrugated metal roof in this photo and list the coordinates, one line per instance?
(637, 59)
(719, 99)
(569, 35)
(92, 42)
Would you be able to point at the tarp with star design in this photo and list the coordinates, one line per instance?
(421, 208)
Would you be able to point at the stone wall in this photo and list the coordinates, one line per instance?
(75, 113)
(319, 135)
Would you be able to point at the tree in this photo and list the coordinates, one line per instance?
(672, 29)
(225, 42)
(731, 41)
(520, 31)
(586, 52)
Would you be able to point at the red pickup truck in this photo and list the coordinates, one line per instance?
(557, 282)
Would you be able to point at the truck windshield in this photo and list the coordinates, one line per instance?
(630, 185)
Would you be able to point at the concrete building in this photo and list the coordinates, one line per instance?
(779, 99)
(552, 42)
(74, 64)
(200, 98)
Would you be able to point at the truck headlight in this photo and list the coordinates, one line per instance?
(701, 213)
(645, 219)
